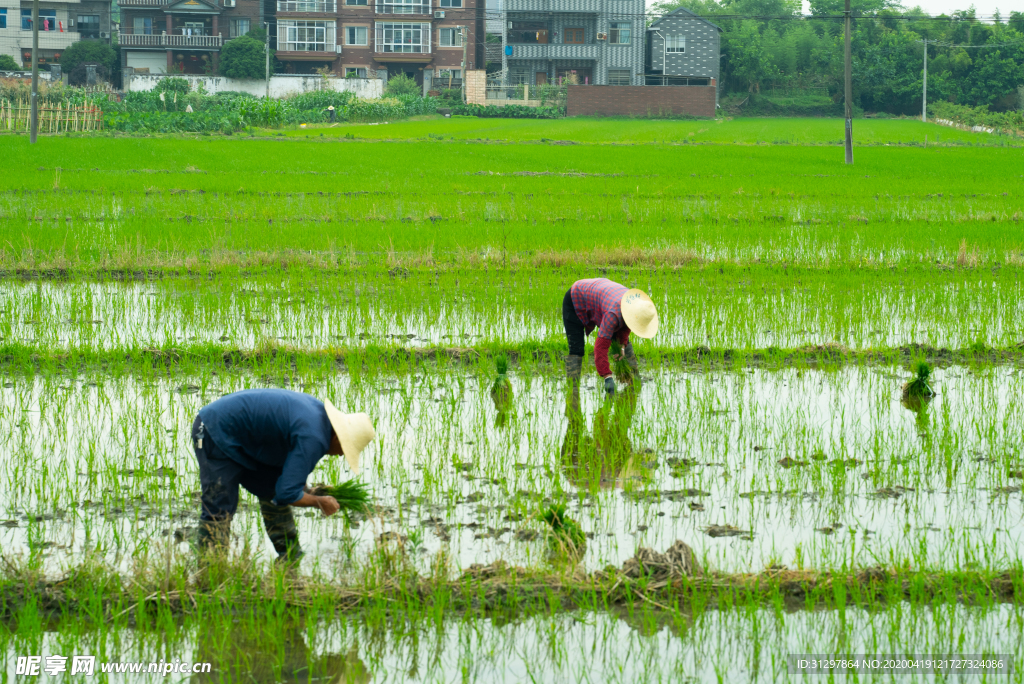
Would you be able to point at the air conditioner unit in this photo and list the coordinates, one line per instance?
(439, 15)
(104, 35)
(602, 36)
(229, 3)
(337, 48)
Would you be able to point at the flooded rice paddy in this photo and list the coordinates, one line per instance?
(615, 646)
(729, 310)
(807, 468)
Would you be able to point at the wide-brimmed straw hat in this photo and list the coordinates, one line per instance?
(639, 313)
(354, 431)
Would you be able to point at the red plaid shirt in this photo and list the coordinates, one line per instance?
(598, 304)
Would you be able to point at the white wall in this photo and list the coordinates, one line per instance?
(281, 85)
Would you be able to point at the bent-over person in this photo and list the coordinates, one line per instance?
(615, 311)
(268, 441)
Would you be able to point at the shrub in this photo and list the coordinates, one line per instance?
(7, 63)
(400, 84)
(87, 52)
(243, 57)
(172, 84)
(508, 111)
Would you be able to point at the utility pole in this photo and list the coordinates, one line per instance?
(266, 49)
(34, 104)
(465, 64)
(849, 90)
(924, 92)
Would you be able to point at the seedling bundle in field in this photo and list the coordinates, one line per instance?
(770, 438)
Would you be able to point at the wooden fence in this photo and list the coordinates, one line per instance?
(59, 118)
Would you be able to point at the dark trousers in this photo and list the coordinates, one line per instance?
(220, 478)
(574, 331)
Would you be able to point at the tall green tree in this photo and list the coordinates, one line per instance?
(243, 57)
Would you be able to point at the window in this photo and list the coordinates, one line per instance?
(89, 25)
(193, 28)
(675, 43)
(306, 6)
(403, 37)
(528, 32)
(305, 36)
(519, 76)
(361, 3)
(239, 27)
(573, 35)
(143, 26)
(355, 72)
(47, 20)
(451, 37)
(451, 3)
(3, 18)
(355, 35)
(403, 6)
(618, 77)
(618, 32)
(448, 74)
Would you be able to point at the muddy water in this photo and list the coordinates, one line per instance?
(733, 646)
(341, 311)
(799, 467)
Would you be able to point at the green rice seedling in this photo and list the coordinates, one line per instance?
(352, 495)
(565, 536)
(919, 388)
(622, 370)
(501, 388)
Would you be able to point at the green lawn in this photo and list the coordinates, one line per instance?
(623, 130)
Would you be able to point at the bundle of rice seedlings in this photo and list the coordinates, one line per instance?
(918, 388)
(622, 370)
(566, 535)
(353, 496)
(501, 388)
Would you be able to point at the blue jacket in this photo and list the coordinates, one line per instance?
(278, 428)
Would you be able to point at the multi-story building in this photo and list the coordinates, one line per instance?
(182, 36)
(60, 25)
(683, 49)
(367, 37)
(598, 42)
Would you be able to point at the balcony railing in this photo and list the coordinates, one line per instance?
(413, 7)
(164, 39)
(321, 6)
(297, 46)
(143, 3)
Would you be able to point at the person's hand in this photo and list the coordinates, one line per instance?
(618, 357)
(328, 505)
(609, 386)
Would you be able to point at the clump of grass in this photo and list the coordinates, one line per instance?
(918, 388)
(622, 370)
(566, 536)
(353, 496)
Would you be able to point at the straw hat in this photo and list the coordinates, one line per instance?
(354, 431)
(639, 314)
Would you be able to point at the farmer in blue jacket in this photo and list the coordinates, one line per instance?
(268, 441)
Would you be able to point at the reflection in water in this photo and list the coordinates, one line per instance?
(604, 458)
(272, 654)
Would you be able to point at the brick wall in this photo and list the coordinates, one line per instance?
(641, 100)
(476, 86)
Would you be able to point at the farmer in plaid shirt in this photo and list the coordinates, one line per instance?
(615, 311)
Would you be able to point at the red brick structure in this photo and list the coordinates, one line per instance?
(641, 100)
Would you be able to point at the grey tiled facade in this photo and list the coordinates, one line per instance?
(700, 57)
(550, 38)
